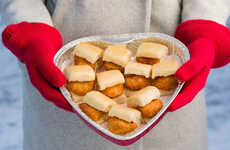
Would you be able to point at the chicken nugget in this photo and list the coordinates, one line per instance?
(118, 126)
(112, 66)
(165, 83)
(81, 61)
(151, 109)
(80, 88)
(136, 82)
(113, 91)
(91, 112)
(149, 61)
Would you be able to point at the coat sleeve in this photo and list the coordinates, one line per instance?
(14, 11)
(215, 10)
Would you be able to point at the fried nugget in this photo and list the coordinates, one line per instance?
(165, 83)
(113, 91)
(151, 109)
(118, 126)
(81, 61)
(136, 82)
(149, 61)
(91, 112)
(80, 88)
(112, 66)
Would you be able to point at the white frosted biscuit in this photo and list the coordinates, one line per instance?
(143, 96)
(88, 51)
(125, 113)
(138, 69)
(98, 100)
(117, 55)
(109, 78)
(152, 50)
(79, 73)
(164, 68)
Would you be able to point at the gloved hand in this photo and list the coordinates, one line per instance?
(35, 44)
(209, 46)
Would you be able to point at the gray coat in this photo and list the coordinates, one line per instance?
(49, 128)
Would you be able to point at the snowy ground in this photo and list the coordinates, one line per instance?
(217, 89)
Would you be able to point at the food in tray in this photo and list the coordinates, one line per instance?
(136, 75)
(94, 114)
(143, 96)
(166, 85)
(116, 57)
(123, 119)
(121, 109)
(98, 100)
(111, 83)
(163, 76)
(95, 105)
(80, 79)
(87, 54)
(151, 53)
(151, 109)
(147, 101)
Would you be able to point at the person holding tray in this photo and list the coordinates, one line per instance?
(50, 23)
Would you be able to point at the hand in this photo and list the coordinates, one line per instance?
(35, 44)
(209, 46)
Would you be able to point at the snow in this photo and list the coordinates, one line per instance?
(217, 96)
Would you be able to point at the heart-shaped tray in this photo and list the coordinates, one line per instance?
(64, 57)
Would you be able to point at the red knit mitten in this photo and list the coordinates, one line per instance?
(35, 44)
(209, 46)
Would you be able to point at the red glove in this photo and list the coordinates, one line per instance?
(36, 44)
(209, 46)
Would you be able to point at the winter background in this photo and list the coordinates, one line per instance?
(217, 98)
